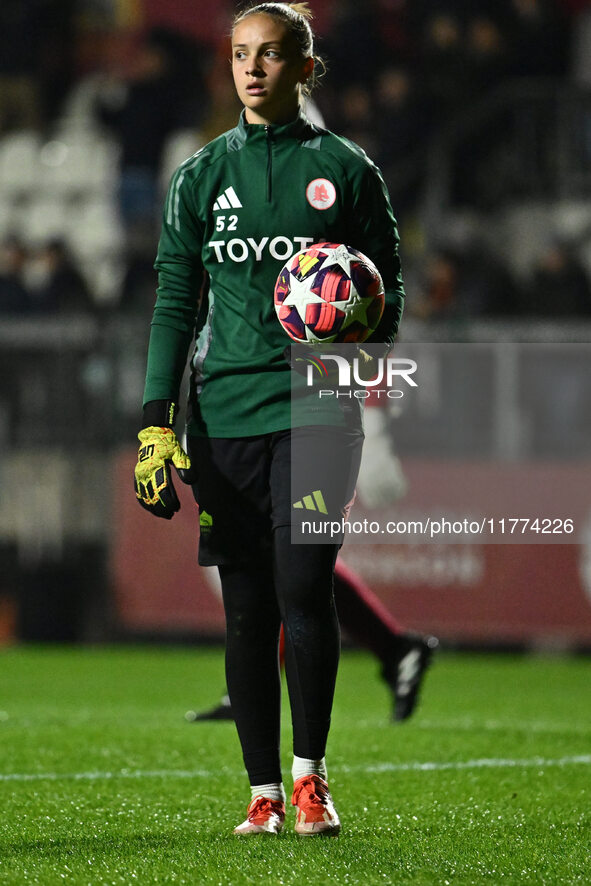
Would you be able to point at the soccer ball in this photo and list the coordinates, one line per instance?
(329, 293)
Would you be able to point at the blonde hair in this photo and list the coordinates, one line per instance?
(296, 17)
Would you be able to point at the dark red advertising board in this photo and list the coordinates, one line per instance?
(466, 591)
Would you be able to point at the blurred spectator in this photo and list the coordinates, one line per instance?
(403, 127)
(487, 286)
(401, 115)
(443, 67)
(56, 284)
(394, 23)
(144, 102)
(14, 295)
(581, 52)
(353, 44)
(36, 60)
(559, 285)
(464, 282)
(487, 53)
(481, 157)
(19, 58)
(438, 291)
(202, 20)
(357, 119)
(539, 37)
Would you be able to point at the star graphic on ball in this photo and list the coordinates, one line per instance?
(337, 255)
(300, 296)
(355, 308)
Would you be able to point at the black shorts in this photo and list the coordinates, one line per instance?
(247, 486)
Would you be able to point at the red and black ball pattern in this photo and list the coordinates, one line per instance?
(333, 305)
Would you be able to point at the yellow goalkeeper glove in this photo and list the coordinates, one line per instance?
(159, 447)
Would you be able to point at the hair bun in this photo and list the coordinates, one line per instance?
(302, 9)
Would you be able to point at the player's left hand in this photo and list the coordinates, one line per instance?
(159, 448)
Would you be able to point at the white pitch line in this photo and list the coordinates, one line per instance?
(467, 724)
(97, 776)
(416, 766)
(485, 763)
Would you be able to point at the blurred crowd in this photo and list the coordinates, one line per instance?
(398, 73)
(43, 281)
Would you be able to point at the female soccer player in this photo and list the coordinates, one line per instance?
(234, 213)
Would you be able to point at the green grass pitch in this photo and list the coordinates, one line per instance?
(102, 780)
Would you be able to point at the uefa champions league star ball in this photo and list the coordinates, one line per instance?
(329, 293)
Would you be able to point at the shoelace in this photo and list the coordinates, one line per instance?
(264, 806)
(316, 790)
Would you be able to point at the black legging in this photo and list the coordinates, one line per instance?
(295, 588)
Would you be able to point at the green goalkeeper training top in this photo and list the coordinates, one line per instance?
(235, 212)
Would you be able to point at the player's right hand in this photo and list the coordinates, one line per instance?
(159, 448)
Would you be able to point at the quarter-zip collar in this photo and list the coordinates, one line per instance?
(300, 127)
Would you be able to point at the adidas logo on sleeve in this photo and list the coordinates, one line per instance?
(228, 199)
